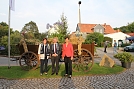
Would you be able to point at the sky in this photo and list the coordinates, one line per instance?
(116, 13)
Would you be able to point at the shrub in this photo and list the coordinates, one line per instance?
(124, 57)
(109, 41)
(94, 37)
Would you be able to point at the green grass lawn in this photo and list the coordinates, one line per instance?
(16, 72)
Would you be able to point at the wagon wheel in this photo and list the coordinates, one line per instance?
(29, 61)
(83, 62)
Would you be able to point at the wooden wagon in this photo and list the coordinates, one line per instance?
(29, 59)
(83, 55)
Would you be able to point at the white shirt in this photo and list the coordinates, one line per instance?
(42, 56)
(54, 47)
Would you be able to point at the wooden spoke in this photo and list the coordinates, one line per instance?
(29, 61)
(31, 56)
(83, 62)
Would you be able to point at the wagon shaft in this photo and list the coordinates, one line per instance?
(22, 41)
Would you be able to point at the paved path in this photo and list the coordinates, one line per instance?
(123, 80)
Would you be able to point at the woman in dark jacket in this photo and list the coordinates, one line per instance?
(43, 53)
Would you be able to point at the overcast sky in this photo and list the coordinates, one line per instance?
(116, 13)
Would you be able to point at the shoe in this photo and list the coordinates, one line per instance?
(45, 73)
(65, 75)
(56, 73)
(41, 74)
(69, 76)
(52, 74)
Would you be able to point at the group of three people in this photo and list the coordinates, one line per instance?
(45, 51)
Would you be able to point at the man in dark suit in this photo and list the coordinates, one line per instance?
(55, 55)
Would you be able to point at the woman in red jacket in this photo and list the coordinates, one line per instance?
(67, 56)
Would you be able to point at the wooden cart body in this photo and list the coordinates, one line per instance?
(89, 47)
(34, 48)
(29, 60)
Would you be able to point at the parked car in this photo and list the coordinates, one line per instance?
(2, 48)
(129, 48)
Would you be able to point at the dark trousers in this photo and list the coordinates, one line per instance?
(105, 49)
(42, 68)
(68, 65)
(55, 60)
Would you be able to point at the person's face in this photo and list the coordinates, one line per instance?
(44, 41)
(55, 40)
(66, 40)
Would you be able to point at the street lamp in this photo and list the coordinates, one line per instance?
(79, 12)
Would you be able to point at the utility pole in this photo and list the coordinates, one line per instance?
(79, 12)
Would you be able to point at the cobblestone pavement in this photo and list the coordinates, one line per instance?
(124, 80)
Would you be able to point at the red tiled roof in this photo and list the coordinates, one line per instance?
(130, 34)
(88, 28)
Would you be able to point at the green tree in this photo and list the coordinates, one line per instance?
(15, 37)
(62, 27)
(30, 27)
(60, 37)
(4, 41)
(14, 40)
(4, 30)
(42, 36)
(127, 29)
(94, 37)
(131, 27)
(124, 29)
(31, 30)
(3, 24)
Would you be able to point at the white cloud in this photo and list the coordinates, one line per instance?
(25, 14)
(114, 12)
(2, 14)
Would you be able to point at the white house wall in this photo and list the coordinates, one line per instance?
(118, 36)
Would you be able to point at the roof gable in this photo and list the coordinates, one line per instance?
(98, 26)
(88, 28)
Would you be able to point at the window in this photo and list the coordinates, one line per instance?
(101, 31)
(98, 30)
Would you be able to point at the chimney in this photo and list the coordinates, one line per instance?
(104, 24)
(118, 30)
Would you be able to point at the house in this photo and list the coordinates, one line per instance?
(52, 29)
(118, 36)
(91, 28)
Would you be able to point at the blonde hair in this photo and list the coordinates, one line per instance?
(56, 39)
